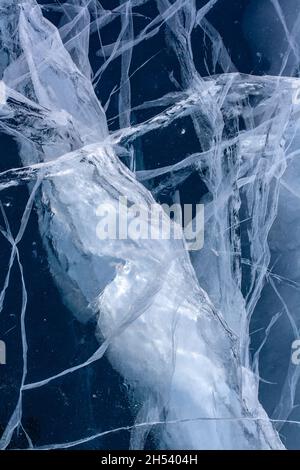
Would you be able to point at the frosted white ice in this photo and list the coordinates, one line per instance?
(176, 329)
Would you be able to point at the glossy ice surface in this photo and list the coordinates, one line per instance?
(134, 343)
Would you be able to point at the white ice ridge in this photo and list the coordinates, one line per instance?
(176, 328)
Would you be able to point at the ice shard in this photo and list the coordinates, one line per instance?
(176, 325)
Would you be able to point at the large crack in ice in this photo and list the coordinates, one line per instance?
(175, 326)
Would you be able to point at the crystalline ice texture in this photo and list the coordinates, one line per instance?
(175, 325)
